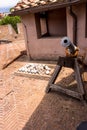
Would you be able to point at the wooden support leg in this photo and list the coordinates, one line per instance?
(80, 85)
(70, 63)
(66, 91)
(53, 78)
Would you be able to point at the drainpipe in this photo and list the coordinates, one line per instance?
(27, 40)
(74, 25)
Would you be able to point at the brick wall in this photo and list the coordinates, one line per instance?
(20, 31)
(8, 33)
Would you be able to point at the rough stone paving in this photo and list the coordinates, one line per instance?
(34, 68)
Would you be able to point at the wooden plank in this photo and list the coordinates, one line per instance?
(79, 78)
(36, 76)
(67, 91)
(71, 63)
(5, 41)
(53, 78)
(66, 62)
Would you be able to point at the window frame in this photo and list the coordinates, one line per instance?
(44, 15)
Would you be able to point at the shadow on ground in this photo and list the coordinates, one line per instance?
(57, 112)
(52, 111)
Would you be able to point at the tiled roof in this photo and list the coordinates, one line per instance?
(23, 4)
(29, 4)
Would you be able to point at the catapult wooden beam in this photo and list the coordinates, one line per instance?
(70, 63)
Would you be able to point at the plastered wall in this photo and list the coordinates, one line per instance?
(50, 48)
(80, 11)
(44, 48)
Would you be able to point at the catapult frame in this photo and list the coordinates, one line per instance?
(70, 61)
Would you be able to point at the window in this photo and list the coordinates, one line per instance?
(41, 24)
(51, 23)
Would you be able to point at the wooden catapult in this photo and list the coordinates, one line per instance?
(70, 61)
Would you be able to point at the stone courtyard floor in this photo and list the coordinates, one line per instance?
(26, 106)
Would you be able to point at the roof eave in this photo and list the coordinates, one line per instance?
(46, 7)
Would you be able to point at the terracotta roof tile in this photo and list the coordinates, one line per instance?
(32, 3)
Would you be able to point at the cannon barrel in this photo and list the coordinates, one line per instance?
(65, 42)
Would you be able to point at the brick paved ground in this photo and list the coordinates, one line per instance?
(8, 113)
(24, 105)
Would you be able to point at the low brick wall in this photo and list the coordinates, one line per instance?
(10, 51)
(8, 33)
(20, 31)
